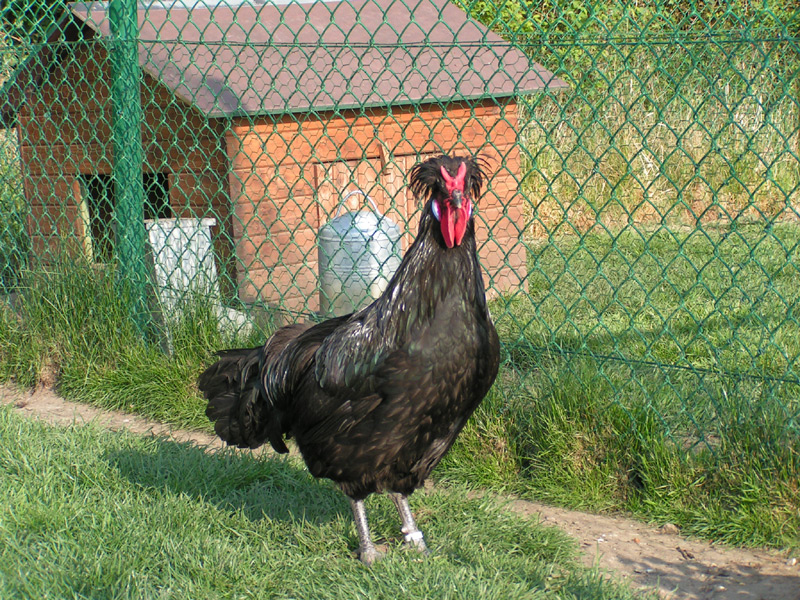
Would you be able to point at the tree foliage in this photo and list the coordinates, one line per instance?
(26, 21)
(515, 18)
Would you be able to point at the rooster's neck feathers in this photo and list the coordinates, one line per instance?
(429, 271)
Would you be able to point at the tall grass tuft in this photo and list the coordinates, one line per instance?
(71, 328)
(673, 397)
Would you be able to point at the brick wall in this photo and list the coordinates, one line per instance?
(64, 128)
(287, 177)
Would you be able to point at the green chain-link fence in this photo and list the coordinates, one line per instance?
(640, 231)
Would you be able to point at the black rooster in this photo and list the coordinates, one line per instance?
(374, 399)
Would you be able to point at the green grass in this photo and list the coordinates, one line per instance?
(658, 126)
(719, 299)
(645, 371)
(652, 372)
(72, 329)
(93, 514)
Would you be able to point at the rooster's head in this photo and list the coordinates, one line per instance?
(452, 184)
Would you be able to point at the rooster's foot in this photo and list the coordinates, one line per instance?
(414, 540)
(412, 536)
(367, 551)
(370, 555)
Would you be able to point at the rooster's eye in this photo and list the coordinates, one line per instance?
(436, 210)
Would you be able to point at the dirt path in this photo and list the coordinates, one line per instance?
(678, 567)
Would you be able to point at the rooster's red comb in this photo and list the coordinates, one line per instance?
(428, 178)
(457, 182)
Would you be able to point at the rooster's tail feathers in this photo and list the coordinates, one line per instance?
(230, 385)
(242, 416)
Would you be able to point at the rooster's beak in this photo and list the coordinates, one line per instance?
(456, 198)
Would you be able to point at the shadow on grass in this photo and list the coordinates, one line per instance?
(259, 486)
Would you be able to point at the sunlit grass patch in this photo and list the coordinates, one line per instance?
(90, 513)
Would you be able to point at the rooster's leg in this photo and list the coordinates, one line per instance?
(412, 534)
(367, 551)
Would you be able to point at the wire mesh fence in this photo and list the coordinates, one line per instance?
(640, 231)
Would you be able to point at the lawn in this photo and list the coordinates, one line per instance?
(93, 514)
(655, 371)
(647, 372)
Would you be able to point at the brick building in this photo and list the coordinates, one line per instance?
(262, 115)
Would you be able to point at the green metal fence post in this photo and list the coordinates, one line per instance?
(128, 156)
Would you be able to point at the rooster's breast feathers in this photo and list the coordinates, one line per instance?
(396, 367)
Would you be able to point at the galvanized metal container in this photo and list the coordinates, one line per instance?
(358, 254)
